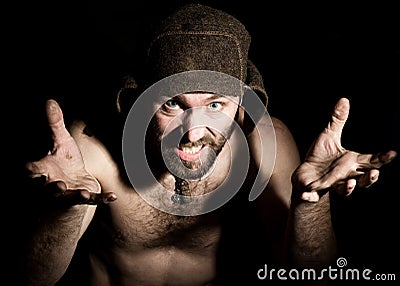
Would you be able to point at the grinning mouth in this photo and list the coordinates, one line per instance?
(191, 150)
(191, 153)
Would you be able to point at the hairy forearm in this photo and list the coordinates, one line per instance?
(53, 244)
(310, 236)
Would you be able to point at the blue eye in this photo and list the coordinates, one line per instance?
(215, 106)
(172, 104)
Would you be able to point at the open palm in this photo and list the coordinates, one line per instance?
(328, 164)
(64, 165)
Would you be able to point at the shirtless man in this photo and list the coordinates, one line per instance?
(125, 240)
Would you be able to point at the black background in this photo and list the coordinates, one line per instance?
(309, 55)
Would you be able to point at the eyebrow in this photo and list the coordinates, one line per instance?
(214, 97)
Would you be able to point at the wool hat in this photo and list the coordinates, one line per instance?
(198, 37)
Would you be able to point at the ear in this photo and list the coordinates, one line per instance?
(255, 86)
(127, 95)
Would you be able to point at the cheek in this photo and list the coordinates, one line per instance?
(230, 111)
(161, 122)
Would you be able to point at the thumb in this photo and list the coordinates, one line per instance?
(56, 121)
(339, 116)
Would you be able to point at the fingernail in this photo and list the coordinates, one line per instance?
(52, 106)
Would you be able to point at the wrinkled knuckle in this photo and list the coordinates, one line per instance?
(314, 186)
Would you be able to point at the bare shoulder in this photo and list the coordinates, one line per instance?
(286, 149)
(281, 129)
(287, 155)
(286, 160)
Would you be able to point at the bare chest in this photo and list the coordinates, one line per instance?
(145, 244)
(133, 223)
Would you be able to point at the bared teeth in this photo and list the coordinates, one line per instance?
(191, 150)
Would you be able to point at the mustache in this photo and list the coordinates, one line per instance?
(205, 140)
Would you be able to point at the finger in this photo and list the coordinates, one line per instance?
(75, 197)
(367, 179)
(339, 116)
(335, 177)
(345, 188)
(311, 197)
(375, 161)
(82, 197)
(56, 121)
(58, 192)
(69, 198)
(52, 190)
(102, 198)
(383, 157)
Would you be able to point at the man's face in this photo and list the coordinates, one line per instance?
(181, 129)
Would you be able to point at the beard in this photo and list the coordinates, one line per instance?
(161, 152)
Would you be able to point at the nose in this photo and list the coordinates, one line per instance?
(195, 134)
(194, 123)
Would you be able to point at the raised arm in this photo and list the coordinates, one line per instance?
(327, 167)
(70, 193)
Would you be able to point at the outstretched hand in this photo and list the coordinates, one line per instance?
(63, 168)
(329, 165)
